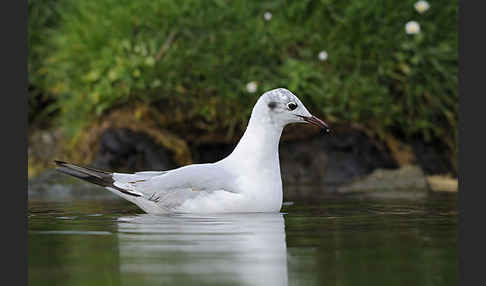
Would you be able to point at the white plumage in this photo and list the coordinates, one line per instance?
(248, 180)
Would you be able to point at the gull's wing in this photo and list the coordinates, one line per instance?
(126, 178)
(158, 191)
(195, 178)
(171, 189)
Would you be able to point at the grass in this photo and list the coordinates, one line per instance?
(89, 57)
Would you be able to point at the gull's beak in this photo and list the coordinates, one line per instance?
(317, 122)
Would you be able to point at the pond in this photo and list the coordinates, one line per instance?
(333, 240)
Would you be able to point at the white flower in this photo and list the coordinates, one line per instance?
(156, 83)
(150, 61)
(322, 55)
(412, 27)
(267, 16)
(422, 6)
(251, 87)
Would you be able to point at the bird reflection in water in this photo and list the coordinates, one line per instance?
(241, 249)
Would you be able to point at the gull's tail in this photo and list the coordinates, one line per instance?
(91, 175)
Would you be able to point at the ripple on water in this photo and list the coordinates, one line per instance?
(77, 232)
(67, 217)
(334, 242)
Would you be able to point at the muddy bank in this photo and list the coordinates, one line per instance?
(346, 161)
(317, 160)
(127, 151)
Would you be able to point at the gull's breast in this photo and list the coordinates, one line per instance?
(263, 188)
(252, 192)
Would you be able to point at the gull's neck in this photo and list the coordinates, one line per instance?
(259, 144)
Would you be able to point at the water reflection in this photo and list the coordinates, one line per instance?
(242, 249)
(342, 241)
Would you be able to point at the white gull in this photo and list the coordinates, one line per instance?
(247, 180)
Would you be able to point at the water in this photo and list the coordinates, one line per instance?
(331, 241)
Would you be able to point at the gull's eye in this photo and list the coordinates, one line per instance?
(292, 106)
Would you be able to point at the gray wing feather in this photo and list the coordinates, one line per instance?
(195, 178)
(126, 178)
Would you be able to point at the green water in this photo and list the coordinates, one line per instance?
(329, 241)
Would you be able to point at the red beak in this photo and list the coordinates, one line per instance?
(317, 122)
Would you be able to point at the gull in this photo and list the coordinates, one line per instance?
(247, 180)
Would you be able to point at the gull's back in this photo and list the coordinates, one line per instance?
(192, 188)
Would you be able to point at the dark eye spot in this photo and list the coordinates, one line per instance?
(292, 106)
(272, 105)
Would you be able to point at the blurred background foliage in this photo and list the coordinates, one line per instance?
(92, 56)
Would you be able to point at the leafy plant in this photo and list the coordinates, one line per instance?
(105, 53)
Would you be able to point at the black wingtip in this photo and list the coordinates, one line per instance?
(59, 163)
(91, 175)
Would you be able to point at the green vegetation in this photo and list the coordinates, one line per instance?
(91, 56)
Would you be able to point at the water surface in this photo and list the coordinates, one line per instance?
(337, 240)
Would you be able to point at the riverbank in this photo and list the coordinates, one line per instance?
(348, 160)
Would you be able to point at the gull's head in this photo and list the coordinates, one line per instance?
(281, 107)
